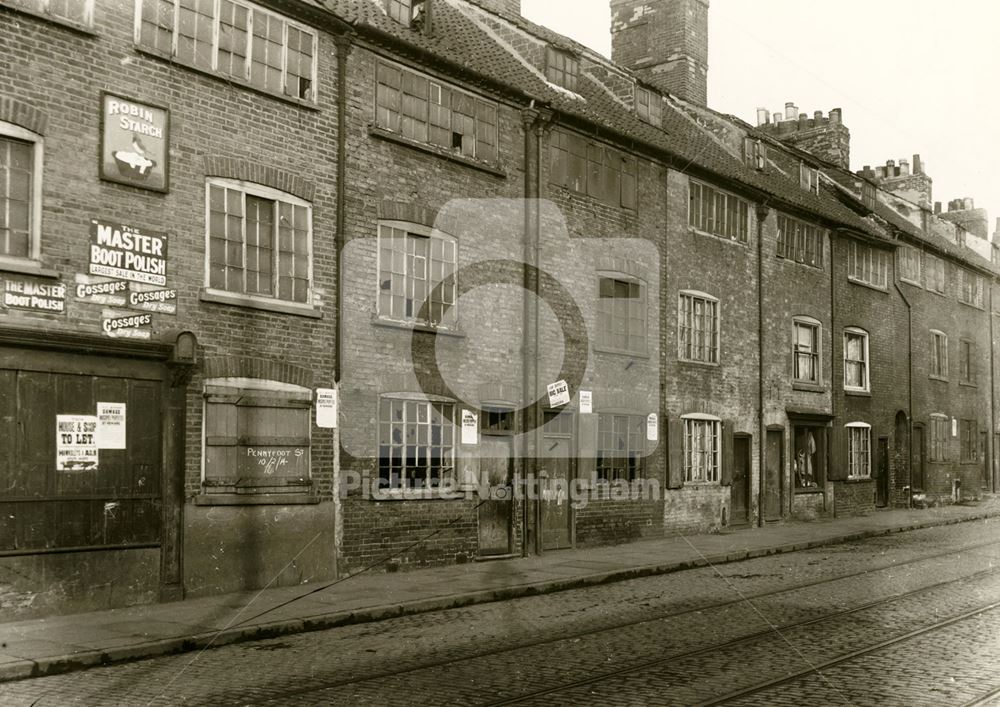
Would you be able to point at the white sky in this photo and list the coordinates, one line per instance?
(912, 76)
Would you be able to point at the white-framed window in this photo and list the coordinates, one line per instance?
(561, 68)
(754, 153)
(940, 432)
(909, 264)
(800, 241)
(859, 450)
(20, 193)
(698, 327)
(648, 106)
(809, 178)
(399, 10)
(939, 354)
(621, 313)
(416, 274)
(235, 39)
(868, 265)
(416, 441)
(934, 273)
(74, 12)
(428, 110)
(702, 448)
(806, 343)
(856, 368)
(621, 446)
(256, 436)
(719, 213)
(259, 241)
(970, 290)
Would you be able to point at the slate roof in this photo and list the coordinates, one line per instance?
(462, 43)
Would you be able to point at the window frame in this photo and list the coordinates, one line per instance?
(755, 153)
(574, 155)
(245, 79)
(715, 342)
(816, 354)
(17, 133)
(967, 369)
(402, 8)
(939, 355)
(712, 476)
(968, 436)
(633, 460)
(258, 191)
(970, 288)
(852, 455)
(644, 99)
(915, 257)
(876, 265)
(606, 345)
(41, 8)
(809, 178)
(563, 73)
(937, 443)
(794, 242)
(448, 472)
(450, 313)
(935, 274)
(865, 362)
(698, 221)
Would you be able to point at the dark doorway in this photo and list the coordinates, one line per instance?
(773, 481)
(882, 472)
(496, 511)
(917, 460)
(740, 489)
(556, 472)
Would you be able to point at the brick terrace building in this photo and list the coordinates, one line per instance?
(294, 198)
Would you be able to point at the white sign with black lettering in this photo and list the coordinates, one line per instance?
(111, 425)
(586, 402)
(470, 427)
(326, 408)
(127, 326)
(101, 290)
(558, 394)
(151, 298)
(76, 443)
(652, 427)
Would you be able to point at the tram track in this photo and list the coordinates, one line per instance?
(597, 678)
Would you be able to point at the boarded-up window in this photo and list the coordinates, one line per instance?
(649, 106)
(46, 505)
(256, 441)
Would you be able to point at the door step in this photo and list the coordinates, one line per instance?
(490, 558)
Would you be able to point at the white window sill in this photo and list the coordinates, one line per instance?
(703, 364)
(938, 378)
(256, 499)
(25, 266)
(911, 282)
(620, 352)
(814, 268)
(396, 495)
(390, 136)
(416, 326)
(860, 392)
(870, 286)
(809, 387)
(857, 479)
(207, 294)
(724, 239)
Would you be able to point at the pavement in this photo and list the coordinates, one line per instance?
(61, 644)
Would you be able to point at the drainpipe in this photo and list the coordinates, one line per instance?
(833, 383)
(343, 43)
(993, 397)
(529, 373)
(909, 392)
(762, 212)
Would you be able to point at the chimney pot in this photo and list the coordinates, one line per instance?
(937, 207)
(904, 168)
(968, 204)
(918, 165)
(763, 116)
(778, 117)
(818, 115)
(791, 110)
(836, 115)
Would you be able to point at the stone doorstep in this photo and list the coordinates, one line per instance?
(14, 668)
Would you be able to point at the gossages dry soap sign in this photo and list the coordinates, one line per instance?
(128, 253)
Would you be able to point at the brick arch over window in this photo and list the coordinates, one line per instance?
(22, 115)
(280, 179)
(262, 368)
(623, 266)
(389, 210)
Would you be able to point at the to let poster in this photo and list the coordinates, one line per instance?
(76, 442)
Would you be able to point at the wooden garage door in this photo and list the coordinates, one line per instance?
(115, 504)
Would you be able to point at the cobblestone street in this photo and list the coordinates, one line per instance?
(847, 624)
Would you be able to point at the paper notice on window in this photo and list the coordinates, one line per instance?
(586, 402)
(326, 408)
(558, 394)
(652, 427)
(111, 425)
(76, 443)
(470, 427)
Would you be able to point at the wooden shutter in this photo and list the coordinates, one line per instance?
(838, 454)
(727, 453)
(675, 453)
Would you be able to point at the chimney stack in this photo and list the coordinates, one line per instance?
(918, 165)
(665, 42)
(763, 116)
(937, 207)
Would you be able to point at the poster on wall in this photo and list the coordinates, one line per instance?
(558, 393)
(586, 402)
(111, 425)
(76, 443)
(135, 143)
(470, 427)
(326, 408)
(33, 294)
(127, 252)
